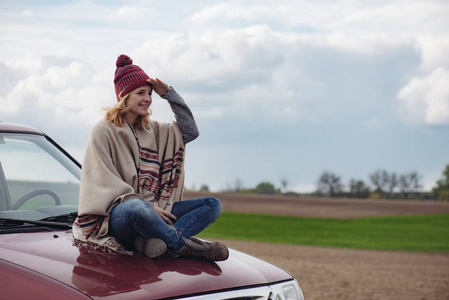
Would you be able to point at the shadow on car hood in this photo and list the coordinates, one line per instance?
(99, 274)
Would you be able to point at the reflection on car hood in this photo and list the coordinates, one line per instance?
(134, 277)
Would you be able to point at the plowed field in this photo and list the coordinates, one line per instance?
(325, 273)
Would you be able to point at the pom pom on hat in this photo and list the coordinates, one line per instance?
(128, 77)
(123, 60)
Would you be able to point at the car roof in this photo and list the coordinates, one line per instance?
(13, 127)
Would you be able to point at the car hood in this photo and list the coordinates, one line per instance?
(99, 274)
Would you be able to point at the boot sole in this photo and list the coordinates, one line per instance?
(151, 247)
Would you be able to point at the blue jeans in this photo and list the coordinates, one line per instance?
(137, 217)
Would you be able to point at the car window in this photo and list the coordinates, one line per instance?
(32, 167)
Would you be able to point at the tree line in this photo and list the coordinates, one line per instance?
(385, 185)
(382, 184)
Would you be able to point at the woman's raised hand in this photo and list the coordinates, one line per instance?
(160, 87)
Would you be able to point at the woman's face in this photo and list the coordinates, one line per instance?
(139, 102)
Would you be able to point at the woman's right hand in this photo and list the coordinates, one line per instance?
(165, 215)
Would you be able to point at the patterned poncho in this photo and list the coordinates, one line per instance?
(120, 164)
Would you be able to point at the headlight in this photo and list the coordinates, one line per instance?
(286, 291)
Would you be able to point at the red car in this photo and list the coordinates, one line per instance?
(39, 189)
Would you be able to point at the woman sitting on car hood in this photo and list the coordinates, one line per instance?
(133, 174)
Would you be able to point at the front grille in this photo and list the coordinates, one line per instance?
(255, 293)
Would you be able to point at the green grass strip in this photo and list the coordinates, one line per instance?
(427, 233)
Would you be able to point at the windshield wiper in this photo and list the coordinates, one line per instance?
(64, 218)
(15, 223)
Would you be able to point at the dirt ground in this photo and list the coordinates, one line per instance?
(326, 273)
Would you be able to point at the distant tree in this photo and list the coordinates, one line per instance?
(238, 185)
(380, 180)
(284, 184)
(441, 191)
(228, 188)
(358, 189)
(384, 183)
(392, 182)
(204, 188)
(265, 188)
(329, 184)
(443, 195)
(409, 183)
(233, 187)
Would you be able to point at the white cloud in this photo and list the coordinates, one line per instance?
(260, 72)
(134, 13)
(426, 99)
(348, 16)
(434, 50)
(59, 91)
(231, 11)
(216, 59)
(207, 56)
(27, 13)
(356, 25)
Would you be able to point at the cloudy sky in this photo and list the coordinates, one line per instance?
(280, 89)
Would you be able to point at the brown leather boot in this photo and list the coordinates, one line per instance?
(151, 247)
(196, 248)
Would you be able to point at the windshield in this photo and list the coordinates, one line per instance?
(37, 180)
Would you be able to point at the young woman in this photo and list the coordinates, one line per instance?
(133, 174)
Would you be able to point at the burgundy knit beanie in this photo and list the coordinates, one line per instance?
(128, 77)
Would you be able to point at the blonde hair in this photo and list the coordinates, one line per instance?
(116, 114)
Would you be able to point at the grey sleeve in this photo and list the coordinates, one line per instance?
(183, 116)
